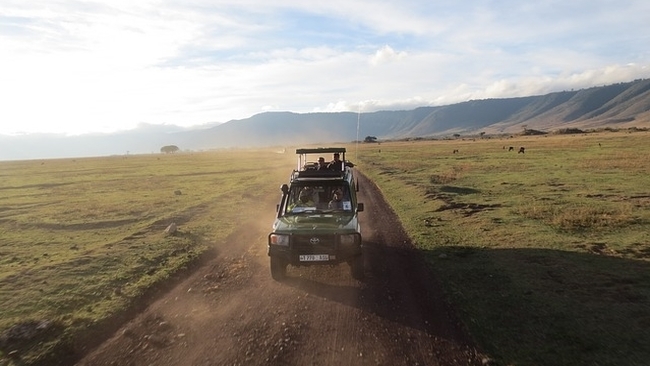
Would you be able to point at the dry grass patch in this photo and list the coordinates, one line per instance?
(544, 254)
(580, 216)
(83, 240)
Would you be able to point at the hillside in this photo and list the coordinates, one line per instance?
(621, 105)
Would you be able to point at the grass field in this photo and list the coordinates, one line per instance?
(83, 239)
(546, 254)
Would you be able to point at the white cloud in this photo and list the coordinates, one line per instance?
(78, 67)
(386, 54)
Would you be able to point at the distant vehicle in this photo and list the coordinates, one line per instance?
(317, 218)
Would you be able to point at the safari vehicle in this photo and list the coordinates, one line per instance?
(317, 218)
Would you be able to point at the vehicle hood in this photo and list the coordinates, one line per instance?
(316, 223)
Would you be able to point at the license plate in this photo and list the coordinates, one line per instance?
(314, 257)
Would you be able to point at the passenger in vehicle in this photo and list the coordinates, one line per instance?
(337, 200)
(305, 199)
(321, 163)
(336, 164)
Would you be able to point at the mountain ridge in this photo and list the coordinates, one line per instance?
(620, 105)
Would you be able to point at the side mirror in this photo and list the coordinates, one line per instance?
(284, 188)
(359, 207)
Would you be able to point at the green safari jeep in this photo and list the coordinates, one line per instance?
(317, 218)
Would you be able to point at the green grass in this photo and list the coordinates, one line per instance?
(83, 239)
(546, 254)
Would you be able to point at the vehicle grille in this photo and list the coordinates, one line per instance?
(306, 244)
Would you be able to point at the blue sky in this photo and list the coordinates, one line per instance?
(99, 66)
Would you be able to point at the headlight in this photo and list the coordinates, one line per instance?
(349, 239)
(277, 239)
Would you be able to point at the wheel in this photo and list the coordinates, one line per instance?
(357, 268)
(278, 269)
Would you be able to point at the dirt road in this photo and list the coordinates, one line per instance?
(230, 311)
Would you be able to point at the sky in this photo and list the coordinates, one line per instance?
(74, 67)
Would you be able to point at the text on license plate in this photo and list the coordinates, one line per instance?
(314, 257)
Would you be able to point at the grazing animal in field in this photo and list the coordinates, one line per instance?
(521, 150)
(511, 148)
(455, 151)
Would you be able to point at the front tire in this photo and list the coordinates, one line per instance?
(278, 269)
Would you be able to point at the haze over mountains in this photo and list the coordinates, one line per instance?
(621, 105)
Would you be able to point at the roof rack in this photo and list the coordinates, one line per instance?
(321, 150)
(309, 170)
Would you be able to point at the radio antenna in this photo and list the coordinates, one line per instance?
(356, 149)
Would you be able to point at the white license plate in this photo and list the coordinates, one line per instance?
(314, 257)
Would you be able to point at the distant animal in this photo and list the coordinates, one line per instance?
(511, 148)
(521, 150)
(455, 151)
(600, 144)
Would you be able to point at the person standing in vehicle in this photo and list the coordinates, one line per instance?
(336, 164)
(322, 165)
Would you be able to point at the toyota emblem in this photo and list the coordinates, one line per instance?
(314, 240)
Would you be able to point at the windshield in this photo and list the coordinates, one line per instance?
(318, 198)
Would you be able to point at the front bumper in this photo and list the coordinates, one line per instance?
(316, 249)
